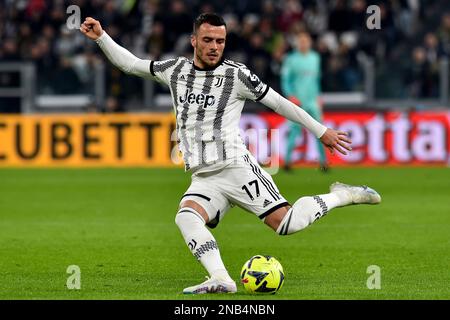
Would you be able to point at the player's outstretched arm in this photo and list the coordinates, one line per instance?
(332, 139)
(119, 56)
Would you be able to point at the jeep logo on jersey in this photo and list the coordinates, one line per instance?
(201, 99)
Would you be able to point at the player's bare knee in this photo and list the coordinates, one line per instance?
(274, 219)
(194, 208)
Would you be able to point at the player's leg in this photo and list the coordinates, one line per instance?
(295, 131)
(252, 188)
(315, 112)
(306, 210)
(198, 209)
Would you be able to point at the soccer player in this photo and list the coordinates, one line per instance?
(300, 82)
(208, 95)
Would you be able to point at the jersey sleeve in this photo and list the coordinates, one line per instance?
(249, 85)
(162, 70)
(290, 111)
(127, 62)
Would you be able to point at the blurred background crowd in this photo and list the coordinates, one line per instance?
(406, 50)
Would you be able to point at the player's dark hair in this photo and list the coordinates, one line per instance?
(210, 18)
(304, 32)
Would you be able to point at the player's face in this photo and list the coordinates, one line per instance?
(208, 43)
(304, 42)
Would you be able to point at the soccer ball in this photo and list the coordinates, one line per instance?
(262, 275)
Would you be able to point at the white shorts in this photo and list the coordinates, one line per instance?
(243, 183)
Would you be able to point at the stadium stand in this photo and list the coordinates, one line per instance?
(407, 51)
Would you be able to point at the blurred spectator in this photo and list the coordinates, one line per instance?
(407, 14)
(177, 21)
(259, 34)
(112, 105)
(444, 33)
(157, 42)
(339, 19)
(235, 43)
(10, 50)
(249, 25)
(44, 59)
(432, 49)
(316, 18)
(260, 61)
(388, 31)
(291, 13)
(358, 15)
(85, 65)
(269, 10)
(420, 76)
(65, 79)
(65, 45)
(25, 39)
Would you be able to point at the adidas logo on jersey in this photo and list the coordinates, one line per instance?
(266, 203)
(201, 99)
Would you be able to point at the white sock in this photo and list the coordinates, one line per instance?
(306, 210)
(201, 242)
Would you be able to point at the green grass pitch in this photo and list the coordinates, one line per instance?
(118, 226)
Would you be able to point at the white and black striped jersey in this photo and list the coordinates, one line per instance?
(208, 103)
(208, 106)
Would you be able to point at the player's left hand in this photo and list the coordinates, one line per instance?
(336, 140)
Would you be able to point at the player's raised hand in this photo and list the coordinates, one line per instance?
(336, 140)
(91, 28)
